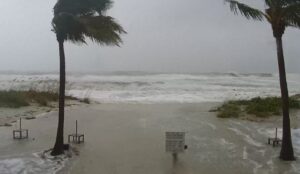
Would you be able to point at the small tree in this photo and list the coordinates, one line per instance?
(76, 20)
(280, 14)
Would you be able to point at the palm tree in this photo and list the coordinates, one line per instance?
(76, 20)
(280, 14)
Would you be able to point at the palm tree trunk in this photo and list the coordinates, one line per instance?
(287, 152)
(59, 144)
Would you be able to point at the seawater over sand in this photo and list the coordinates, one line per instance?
(129, 138)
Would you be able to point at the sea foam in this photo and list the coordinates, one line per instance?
(157, 88)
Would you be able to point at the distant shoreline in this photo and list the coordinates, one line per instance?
(136, 73)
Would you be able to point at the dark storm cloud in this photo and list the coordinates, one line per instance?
(163, 35)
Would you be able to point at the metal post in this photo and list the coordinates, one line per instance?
(20, 124)
(276, 134)
(175, 157)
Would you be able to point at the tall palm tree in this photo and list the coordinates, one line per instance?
(76, 20)
(280, 14)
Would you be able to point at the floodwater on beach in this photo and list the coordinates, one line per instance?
(130, 138)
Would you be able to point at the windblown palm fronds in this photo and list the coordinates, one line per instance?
(280, 14)
(75, 21)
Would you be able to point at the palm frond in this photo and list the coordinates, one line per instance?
(291, 14)
(82, 7)
(102, 29)
(270, 3)
(67, 27)
(76, 20)
(292, 9)
(284, 3)
(293, 22)
(292, 19)
(245, 10)
(101, 5)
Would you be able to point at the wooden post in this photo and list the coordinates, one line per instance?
(76, 128)
(20, 124)
(276, 134)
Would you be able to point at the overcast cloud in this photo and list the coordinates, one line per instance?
(163, 35)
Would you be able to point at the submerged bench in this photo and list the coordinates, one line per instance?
(76, 138)
(20, 133)
(275, 141)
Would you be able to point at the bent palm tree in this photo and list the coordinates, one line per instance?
(280, 14)
(76, 20)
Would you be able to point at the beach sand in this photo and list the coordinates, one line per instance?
(130, 139)
(11, 115)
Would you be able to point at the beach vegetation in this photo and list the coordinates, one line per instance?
(17, 99)
(229, 110)
(280, 14)
(76, 21)
(13, 99)
(259, 107)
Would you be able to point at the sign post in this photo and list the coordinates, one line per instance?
(175, 143)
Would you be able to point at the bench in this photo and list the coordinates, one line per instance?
(275, 141)
(20, 133)
(76, 137)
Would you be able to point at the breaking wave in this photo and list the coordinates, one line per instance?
(156, 88)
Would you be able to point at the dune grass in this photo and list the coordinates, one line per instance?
(259, 107)
(12, 99)
(17, 99)
(229, 110)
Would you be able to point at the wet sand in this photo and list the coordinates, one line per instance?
(11, 115)
(130, 138)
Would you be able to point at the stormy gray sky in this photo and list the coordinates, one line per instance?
(163, 35)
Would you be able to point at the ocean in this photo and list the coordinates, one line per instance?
(240, 142)
(137, 87)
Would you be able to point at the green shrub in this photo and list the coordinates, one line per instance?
(263, 107)
(294, 103)
(260, 107)
(16, 99)
(12, 99)
(229, 110)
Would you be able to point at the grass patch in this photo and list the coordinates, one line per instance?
(229, 110)
(17, 99)
(259, 107)
(12, 99)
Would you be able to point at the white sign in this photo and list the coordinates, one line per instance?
(175, 142)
